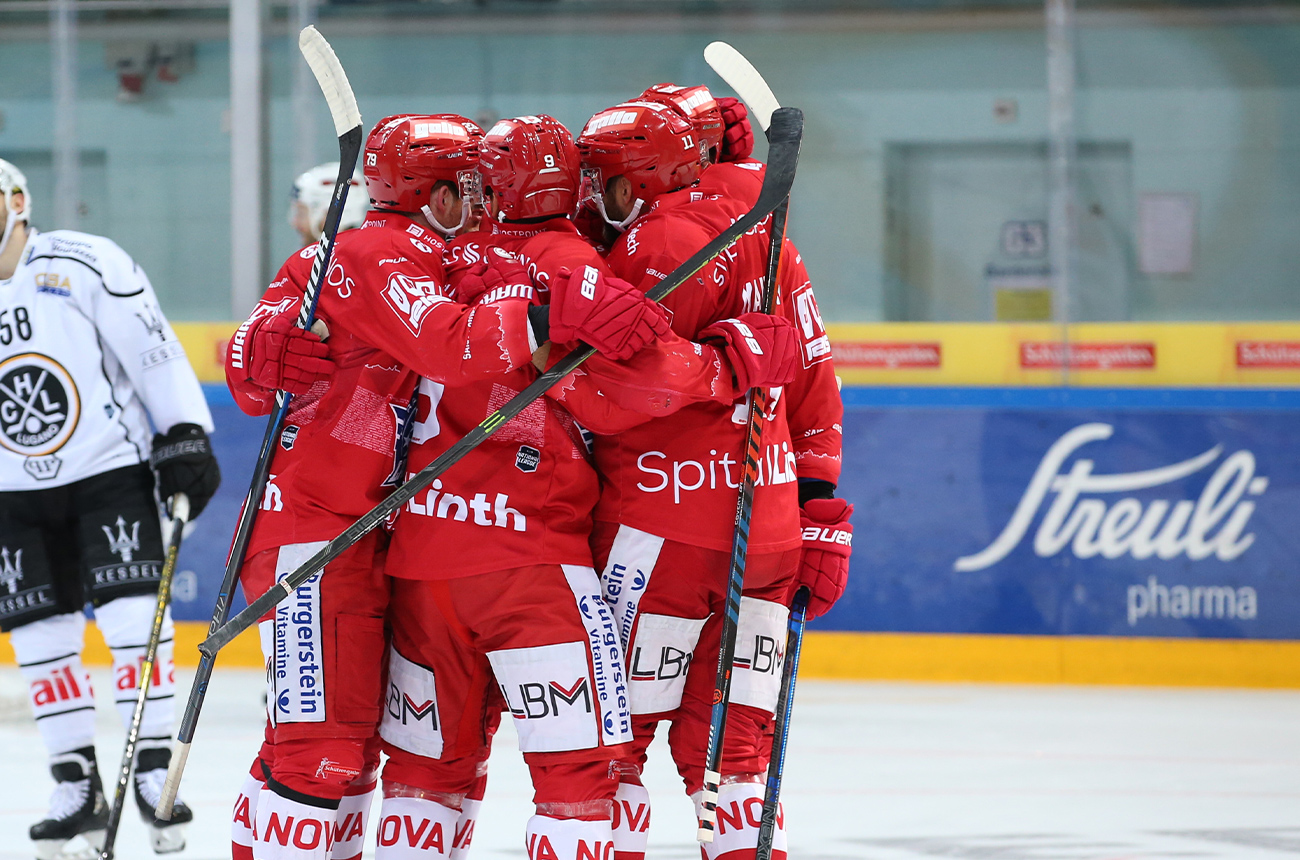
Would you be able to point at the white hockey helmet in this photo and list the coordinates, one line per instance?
(12, 181)
(313, 191)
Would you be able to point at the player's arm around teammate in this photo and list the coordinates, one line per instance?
(88, 363)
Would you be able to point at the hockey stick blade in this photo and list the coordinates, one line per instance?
(333, 80)
(741, 76)
(783, 159)
(327, 69)
(180, 516)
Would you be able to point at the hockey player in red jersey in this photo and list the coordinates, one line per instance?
(384, 302)
(446, 638)
(665, 520)
(508, 613)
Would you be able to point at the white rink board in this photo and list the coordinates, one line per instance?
(878, 771)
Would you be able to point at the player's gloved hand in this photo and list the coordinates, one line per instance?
(605, 312)
(183, 459)
(763, 349)
(278, 354)
(827, 545)
(738, 134)
(500, 275)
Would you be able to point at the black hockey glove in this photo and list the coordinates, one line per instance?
(183, 459)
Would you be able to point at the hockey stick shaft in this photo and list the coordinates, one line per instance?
(741, 76)
(347, 123)
(781, 729)
(783, 158)
(180, 516)
(757, 401)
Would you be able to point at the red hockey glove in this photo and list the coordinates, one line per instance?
(281, 355)
(763, 349)
(605, 312)
(827, 545)
(499, 276)
(738, 135)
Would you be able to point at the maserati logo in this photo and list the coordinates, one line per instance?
(123, 544)
(11, 568)
(152, 320)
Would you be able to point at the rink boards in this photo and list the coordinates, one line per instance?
(1143, 532)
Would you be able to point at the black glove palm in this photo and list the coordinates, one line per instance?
(183, 459)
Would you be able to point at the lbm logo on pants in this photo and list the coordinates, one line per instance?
(410, 720)
(536, 701)
(548, 691)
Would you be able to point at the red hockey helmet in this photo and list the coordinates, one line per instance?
(407, 154)
(531, 165)
(649, 143)
(695, 104)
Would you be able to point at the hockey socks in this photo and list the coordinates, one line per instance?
(58, 686)
(740, 813)
(350, 823)
(414, 828)
(125, 623)
(469, 810)
(549, 838)
(244, 816)
(296, 827)
(631, 823)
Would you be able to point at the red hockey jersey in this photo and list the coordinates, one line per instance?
(605, 396)
(525, 495)
(814, 409)
(678, 476)
(390, 321)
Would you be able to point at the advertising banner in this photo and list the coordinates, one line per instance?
(1010, 519)
(1073, 521)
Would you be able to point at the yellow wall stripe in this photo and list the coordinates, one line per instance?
(1052, 659)
(1119, 355)
(245, 651)
(941, 657)
(1108, 355)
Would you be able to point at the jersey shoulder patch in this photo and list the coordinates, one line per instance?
(96, 253)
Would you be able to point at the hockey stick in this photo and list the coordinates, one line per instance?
(180, 516)
(347, 124)
(733, 68)
(781, 731)
(783, 157)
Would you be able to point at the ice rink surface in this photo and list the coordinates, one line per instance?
(884, 771)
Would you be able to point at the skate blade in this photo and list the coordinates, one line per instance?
(167, 840)
(85, 846)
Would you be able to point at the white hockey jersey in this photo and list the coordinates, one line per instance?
(87, 361)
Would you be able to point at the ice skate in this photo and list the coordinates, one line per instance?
(78, 818)
(166, 837)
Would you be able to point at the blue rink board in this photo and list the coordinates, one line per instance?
(937, 476)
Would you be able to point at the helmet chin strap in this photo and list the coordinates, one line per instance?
(620, 226)
(446, 232)
(10, 221)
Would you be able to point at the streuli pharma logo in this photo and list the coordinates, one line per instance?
(1089, 516)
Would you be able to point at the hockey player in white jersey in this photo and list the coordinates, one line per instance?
(312, 192)
(87, 364)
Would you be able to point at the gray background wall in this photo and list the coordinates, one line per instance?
(1208, 106)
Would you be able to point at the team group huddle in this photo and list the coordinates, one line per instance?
(570, 571)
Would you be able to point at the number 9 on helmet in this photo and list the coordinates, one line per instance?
(529, 165)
